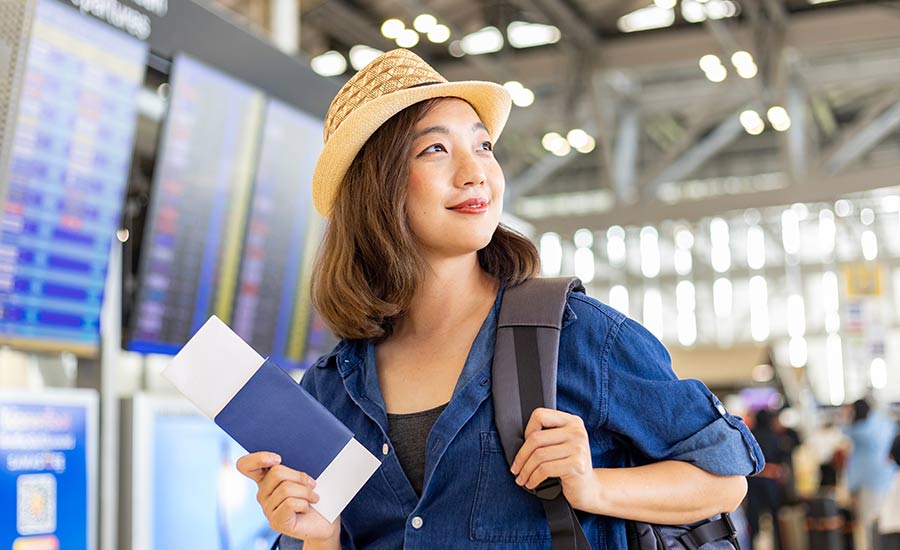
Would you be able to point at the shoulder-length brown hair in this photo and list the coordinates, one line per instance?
(369, 264)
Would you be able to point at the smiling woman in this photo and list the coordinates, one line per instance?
(398, 205)
(411, 275)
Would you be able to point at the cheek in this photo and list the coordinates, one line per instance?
(418, 201)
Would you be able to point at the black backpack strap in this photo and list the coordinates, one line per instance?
(524, 379)
(711, 531)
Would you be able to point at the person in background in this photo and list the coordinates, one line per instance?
(765, 491)
(869, 470)
(889, 518)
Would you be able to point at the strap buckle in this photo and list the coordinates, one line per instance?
(549, 489)
(731, 529)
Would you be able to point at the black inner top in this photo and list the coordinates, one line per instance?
(409, 435)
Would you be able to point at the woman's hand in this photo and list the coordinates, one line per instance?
(556, 445)
(285, 496)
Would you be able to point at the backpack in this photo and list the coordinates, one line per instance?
(524, 378)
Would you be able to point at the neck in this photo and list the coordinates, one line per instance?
(454, 289)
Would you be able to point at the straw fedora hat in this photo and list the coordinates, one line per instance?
(390, 83)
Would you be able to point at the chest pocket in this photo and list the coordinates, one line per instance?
(503, 512)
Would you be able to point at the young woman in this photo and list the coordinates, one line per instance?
(411, 275)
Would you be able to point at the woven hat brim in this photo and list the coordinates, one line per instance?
(491, 101)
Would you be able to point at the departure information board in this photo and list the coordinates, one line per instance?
(271, 307)
(197, 218)
(71, 152)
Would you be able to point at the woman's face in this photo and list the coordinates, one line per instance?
(455, 194)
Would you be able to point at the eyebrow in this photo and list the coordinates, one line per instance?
(445, 131)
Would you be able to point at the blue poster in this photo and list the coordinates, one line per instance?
(46, 460)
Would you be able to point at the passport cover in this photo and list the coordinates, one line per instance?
(262, 408)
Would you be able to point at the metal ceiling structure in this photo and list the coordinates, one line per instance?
(670, 145)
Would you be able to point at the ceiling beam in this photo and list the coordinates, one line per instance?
(876, 122)
(728, 130)
(817, 30)
(822, 189)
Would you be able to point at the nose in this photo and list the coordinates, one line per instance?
(470, 170)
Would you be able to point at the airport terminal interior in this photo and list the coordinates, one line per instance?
(724, 172)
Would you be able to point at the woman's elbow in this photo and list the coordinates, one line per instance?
(734, 489)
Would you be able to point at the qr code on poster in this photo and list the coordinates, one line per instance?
(36, 504)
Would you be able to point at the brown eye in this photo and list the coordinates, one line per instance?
(434, 149)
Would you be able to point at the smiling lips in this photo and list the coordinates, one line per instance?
(471, 206)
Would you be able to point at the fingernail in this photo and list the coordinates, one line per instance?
(312, 482)
(275, 459)
(518, 481)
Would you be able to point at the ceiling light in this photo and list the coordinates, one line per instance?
(589, 146)
(869, 245)
(523, 98)
(577, 138)
(720, 9)
(552, 140)
(647, 18)
(890, 203)
(424, 23)
(665, 4)
(455, 49)
(513, 86)
(693, 11)
(487, 40)
(741, 58)
(361, 55)
(867, 216)
(709, 62)
(562, 149)
(748, 71)
(528, 35)
(717, 74)
(843, 208)
(392, 28)
(330, 63)
(583, 238)
(752, 122)
(439, 34)
(407, 38)
(779, 118)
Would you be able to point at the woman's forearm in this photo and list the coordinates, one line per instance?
(668, 493)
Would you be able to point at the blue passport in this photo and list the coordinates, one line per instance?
(262, 408)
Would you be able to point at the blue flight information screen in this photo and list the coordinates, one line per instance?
(71, 153)
(197, 217)
(272, 307)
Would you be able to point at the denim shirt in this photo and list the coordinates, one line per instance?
(612, 373)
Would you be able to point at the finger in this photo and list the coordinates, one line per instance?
(286, 490)
(278, 474)
(543, 438)
(542, 455)
(548, 418)
(282, 517)
(255, 465)
(556, 468)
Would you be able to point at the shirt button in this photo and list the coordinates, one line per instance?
(385, 449)
(417, 522)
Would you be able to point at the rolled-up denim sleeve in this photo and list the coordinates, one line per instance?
(665, 418)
